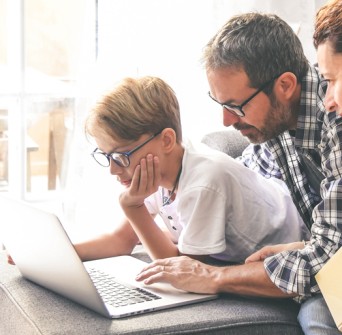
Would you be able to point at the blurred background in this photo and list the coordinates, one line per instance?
(56, 57)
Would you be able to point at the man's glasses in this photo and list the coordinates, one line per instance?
(237, 109)
(120, 158)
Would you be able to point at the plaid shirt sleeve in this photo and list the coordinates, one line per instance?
(294, 271)
(258, 158)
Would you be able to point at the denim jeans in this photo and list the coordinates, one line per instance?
(315, 318)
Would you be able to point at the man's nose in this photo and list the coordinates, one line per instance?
(229, 118)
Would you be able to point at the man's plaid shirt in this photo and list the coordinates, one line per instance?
(319, 137)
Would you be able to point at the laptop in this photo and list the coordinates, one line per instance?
(329, 281)
(44, 254)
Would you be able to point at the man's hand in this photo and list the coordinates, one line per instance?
(145, 181)
(271, 250)
(183, 273)
(193, 276)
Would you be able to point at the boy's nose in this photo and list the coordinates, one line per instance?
(114, 168)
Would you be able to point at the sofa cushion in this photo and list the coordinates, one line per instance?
(27, 308)
(229, 141)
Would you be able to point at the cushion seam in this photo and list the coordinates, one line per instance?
(21, 310)
(235, 325)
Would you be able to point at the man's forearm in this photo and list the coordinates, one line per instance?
(248, 279)
(190, 275)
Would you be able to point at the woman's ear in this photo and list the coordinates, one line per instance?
(286, 86)
(169, 140)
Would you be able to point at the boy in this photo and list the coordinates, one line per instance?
(216, 206)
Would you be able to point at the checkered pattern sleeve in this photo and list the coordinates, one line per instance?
(258, 158)
(294, 271)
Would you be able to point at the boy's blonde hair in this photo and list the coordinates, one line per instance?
(135, 107)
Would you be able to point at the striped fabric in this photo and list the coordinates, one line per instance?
(319, 137)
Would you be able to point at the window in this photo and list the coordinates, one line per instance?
(45, 47)
(49, 79)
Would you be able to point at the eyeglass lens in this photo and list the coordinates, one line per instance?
(104, 159)
(121, 159)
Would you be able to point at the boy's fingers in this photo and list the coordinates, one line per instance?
(157, 173)
(136, 178)
(142, 176)
(150, 172)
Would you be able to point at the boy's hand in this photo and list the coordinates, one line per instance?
(145, 181)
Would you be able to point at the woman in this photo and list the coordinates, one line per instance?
(314, 315)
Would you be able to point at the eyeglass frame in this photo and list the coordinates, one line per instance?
(237, 109)
(125, 154)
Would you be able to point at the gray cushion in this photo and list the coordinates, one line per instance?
(30, 309)
(229, 141)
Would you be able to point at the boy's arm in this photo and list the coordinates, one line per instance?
(119, 242)
(154, 240)
(145, 181)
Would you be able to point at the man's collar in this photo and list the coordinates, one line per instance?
(311, 113)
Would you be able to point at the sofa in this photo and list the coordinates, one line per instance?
(28, 309)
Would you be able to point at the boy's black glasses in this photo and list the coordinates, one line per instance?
(237, 109)
(120, 158)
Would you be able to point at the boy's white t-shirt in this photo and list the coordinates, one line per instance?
(226, 210)
(168, 213)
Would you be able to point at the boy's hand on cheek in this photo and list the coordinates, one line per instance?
(145, 181)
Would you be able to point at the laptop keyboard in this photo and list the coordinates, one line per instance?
(117, 294)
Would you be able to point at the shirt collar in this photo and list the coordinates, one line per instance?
(311, 114)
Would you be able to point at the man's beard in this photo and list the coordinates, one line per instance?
(278, 119)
